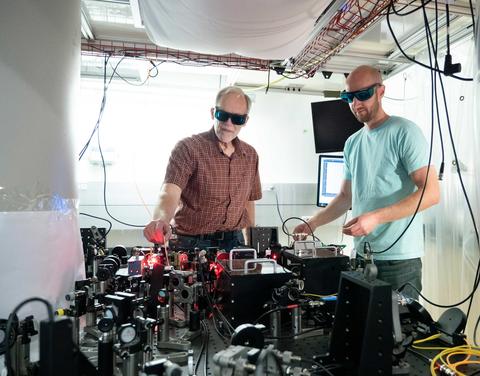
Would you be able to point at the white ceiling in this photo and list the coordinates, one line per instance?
(113, 21)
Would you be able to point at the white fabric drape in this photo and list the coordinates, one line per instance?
(451, 249)
(267, 29)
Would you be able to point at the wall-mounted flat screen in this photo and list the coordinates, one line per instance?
(333, 123)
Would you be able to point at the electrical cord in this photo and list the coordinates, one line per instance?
(103, 102)
(202, 348)
(420, 355)
(475, 331)
(298, 335)
(155, 66)
(473, 16)
(476, 281)
(397, 12)
(205, 363)
(278, 206)
(467, 200)
(105, 187)
(270, 311)
(410, 58)
(102, 219)
(214, 309)
(285, 231)
(8, 329)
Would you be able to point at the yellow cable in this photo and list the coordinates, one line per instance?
(435, 336)
(459, 350)
(430, 348)
(264, 86)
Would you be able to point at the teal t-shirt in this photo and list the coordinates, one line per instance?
(378, 162)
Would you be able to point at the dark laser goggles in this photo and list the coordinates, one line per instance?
(223, 116)
(361, 95)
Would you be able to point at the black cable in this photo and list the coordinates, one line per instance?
(476, 281)
(473, 16)
(268, 313)
(278, 205)
(155, 66)
(102, 107)
(420, 355)
(268, 80)
(284, 229)
(202, 349)
(103, 102)
(475, 331)
(440, 132)
(397, 12)
(103, 219)
(205, 363)
(410, 58)
(298, 335)
(8, 329)
(323, 368)
(430, 151)
(214, 309)
(105, 187)
(465, 194)
(475, 286)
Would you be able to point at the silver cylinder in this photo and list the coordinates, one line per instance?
(103, 287)
(275, 322)
(163, 328)
(91, 319)
(147, 354)
(130, 365)
(95, 263)
(296, 321)
(187, 308)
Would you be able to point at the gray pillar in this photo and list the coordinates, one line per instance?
(39, 79)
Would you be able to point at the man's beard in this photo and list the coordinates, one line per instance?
(367, 115)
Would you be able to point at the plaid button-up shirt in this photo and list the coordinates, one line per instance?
(215, 187)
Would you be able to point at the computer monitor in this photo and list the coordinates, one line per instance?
(330, 176)
(333, 123)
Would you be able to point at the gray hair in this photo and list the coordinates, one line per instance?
(234, 90)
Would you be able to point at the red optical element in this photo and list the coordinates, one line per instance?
(217, 267)
(183, 261)
(153, 259)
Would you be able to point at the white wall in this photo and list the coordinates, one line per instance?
(141, 125)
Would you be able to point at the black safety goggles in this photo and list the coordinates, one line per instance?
(361, 95)
(223, 116)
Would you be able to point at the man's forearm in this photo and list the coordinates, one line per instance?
(408, 205)
(405, 208)
(335, 209)
(167, 203)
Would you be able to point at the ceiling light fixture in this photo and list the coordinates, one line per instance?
(137, 19)
(85, 27)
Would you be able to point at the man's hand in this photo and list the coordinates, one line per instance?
(302, 231)
(361, 225)
(157, 231)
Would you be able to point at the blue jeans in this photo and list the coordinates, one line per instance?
(187, 242)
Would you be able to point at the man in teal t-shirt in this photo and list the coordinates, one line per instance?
(386, 168)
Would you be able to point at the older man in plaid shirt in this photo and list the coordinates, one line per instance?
(211, 182)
